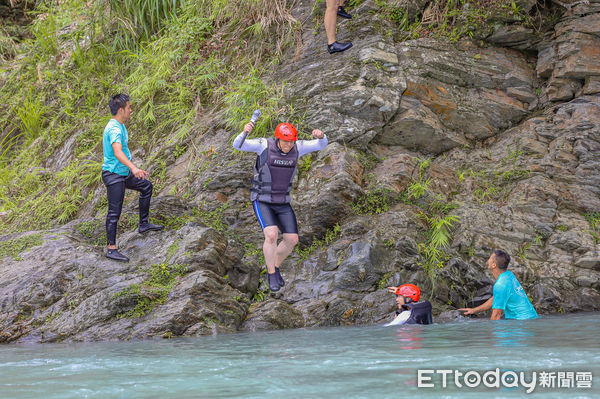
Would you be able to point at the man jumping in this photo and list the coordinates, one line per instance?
(274, 171)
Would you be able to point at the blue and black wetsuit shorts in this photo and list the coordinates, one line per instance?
(280, 215)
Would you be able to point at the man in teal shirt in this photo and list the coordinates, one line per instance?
(119, 173)
(508, 294)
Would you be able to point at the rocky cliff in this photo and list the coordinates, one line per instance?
(439, 153)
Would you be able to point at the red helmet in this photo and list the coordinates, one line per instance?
(409, 291)
(286, 131)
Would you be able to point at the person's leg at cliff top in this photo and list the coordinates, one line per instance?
(341, 11)
(119, 173)
(274, 171)
(330, 21)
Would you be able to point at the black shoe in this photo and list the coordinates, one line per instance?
(342, 13)
(144, 227)
(116, 255)
(279, 278)
(273, 282)
(336, 47)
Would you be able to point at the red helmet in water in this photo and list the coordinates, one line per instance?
(286, 131)
(409, 291)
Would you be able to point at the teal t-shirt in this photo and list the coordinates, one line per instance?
(114, 132)
(511, 298)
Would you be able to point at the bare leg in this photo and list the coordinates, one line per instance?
(330, 20)
(270, 247)
(285, 247)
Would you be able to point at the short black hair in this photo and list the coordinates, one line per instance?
(501, 258)
(117, 102)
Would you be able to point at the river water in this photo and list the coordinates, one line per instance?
(560, 354)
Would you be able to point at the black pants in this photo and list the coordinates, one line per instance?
(115, 186)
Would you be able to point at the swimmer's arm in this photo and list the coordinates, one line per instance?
(487, 305)
(496, 314)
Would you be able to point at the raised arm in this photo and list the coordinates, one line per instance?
(249, 145)
(306, 146)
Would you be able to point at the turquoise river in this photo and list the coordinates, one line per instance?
(478, 358)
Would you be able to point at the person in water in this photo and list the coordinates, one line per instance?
(508, 296)
(274, 171)
(119, 173)
(410, 310)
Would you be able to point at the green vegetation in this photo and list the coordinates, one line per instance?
(330, 235)
(261, 293)
(178, 60)
(305, 164)
(522, 251)
(374, 201)
(437, 240)
(456, 19)
(17, 246)
(93, 231)
(384, 281)
(435, 212)
(593, 219)
(366, 160)
(495, 184)
(156, 289)
(418, 188)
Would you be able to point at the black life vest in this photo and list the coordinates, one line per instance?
(274, 173)
(420, 312)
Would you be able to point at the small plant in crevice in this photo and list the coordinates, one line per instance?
(540, 239)
(522, 251)
(419, 187)
(305, 164)
(384, 281)
(593, 219)
(330, 236)
(261, 293)
(494, 185)
(374, 201)
(562, 228)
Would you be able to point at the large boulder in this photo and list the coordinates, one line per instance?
(458, 93)
(64, 288)
(272, 315)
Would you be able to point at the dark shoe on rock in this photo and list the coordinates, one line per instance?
(279, 277)
(342, 13)
(336, 47)
(144, 227)
(116, 255)
(273, 282)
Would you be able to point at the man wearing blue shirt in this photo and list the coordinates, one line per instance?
(508, 294)
(119, 173)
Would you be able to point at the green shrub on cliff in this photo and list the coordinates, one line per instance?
(179, 60)
(456, 19)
